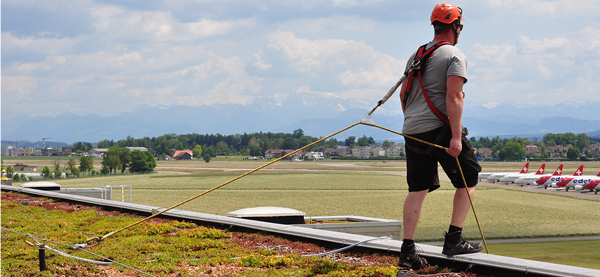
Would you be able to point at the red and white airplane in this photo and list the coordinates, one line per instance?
(552, 180)
(530, 179)
(512, 177)
(571, 182)
(593, 185)
(497, 176)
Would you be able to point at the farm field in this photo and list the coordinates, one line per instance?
(364, 188)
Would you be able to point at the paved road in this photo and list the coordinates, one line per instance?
(493, 241)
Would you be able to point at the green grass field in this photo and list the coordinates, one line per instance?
(368, 188)
(502, 213)
(575, 253)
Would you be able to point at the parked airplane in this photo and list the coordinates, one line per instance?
(550, 180)
(512, 177)
(498, 175)
(593, 185)
(571, 182)
(530, 179)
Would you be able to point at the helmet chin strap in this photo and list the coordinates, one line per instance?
(455, 34)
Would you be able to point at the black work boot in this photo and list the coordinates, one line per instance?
(411, 259)
(461, 246)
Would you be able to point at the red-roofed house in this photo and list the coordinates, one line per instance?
(183, 154)
(273, 153)
(276, 153)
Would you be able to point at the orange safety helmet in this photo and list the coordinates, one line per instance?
(446, 13)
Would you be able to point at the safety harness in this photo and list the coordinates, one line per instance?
(418, 66)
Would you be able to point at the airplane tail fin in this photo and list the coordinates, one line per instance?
(559, 170)
(579, 171)
(525, 169)
(541, 170)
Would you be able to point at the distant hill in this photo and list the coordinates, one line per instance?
(317, 116)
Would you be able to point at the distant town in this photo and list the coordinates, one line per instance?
(260, 145)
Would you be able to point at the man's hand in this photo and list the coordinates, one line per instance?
(455, 147)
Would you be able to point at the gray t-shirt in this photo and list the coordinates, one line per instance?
(445, 61)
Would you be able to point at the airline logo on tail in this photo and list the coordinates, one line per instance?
(541, 170)
(558, 170)
(579, 171)
(525, 168)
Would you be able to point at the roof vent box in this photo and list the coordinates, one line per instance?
(41, 185)
(270, 214)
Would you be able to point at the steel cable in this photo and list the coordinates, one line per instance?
(76, 247)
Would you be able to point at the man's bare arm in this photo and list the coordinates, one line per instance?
(454, 107)
(402, 91)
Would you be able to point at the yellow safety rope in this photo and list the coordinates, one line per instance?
(98, 239)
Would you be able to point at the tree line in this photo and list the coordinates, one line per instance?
(114, 160)
(514, 148)
(253, 144)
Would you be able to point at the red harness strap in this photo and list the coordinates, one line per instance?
(421, 57)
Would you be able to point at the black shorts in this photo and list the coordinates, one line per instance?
(422, 168)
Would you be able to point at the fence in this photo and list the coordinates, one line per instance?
(107, 192)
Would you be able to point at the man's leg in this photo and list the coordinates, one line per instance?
(454, 243)
(461, 206)
(411, 212)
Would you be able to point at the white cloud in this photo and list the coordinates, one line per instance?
(497, 53)
(205, 27)
(33, 44)
(260, 63)
(354, 2)
(536, 46)
(346, 23)
(546, 9)
(158, 25)
(542, 70)
(17, 88)
(591, 39)
(232, 52)
(354, 63)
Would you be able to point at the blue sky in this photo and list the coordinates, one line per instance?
(109, 57)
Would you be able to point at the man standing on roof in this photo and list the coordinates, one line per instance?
(432, 101)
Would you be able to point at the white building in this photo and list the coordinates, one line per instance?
(314, 155)
(7, 151)
(394, 151)
(361, 151)
(143, 149)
